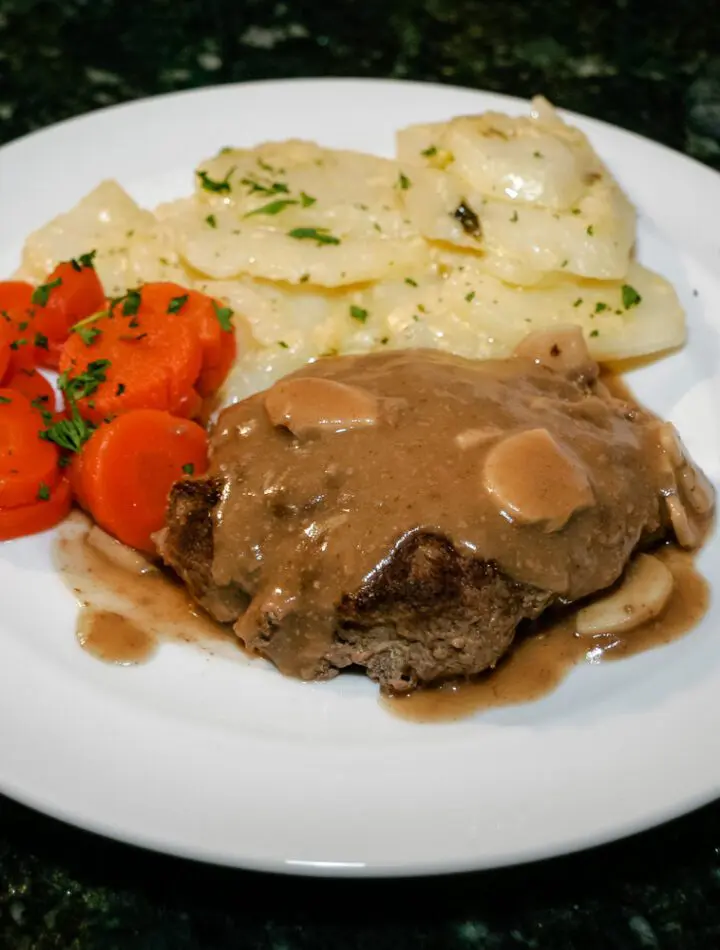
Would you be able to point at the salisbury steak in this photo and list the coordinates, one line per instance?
(406, 511)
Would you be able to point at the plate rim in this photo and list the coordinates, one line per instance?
(334, 869)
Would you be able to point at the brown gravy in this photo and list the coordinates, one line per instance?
(125, 615)
(539, 662)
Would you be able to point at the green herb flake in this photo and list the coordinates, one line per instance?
(404, 182)
(16, 344)
(565, 263)
(88, 260)
(211, 221)
(283, 344)
(320, 235)
(304, 278)
(429, 151)
(88, 334)
(600, 306)
(120, 389)
(357, 313)
(594, 333)
(384, 340)
(189, 468)
(256, 187)
(41, 294)
(43, 492)
(306, 200)
(514, 217)
(131, 303)
(224, 315)
(221, 187)
(590, 230)
(630, 296)
(177, 303)
(537, 154)
(272, 207)
(578, 302)
(470, 297)
(576, 211)
(4, 401)
(410, 282)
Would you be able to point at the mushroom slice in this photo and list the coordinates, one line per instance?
(562, 348)
(532, 479)
(642, 596)
(308, 405)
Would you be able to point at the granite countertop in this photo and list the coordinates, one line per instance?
(654, 68)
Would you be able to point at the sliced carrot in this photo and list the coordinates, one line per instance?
(71, 293)
(6, 338)
(32, 383)
(16, 298)
(147, 362)
(38, 516)
(211, 320)
(17, 316)
(127, 467)
(27, 462)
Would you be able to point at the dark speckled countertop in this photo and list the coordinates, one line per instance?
(651, 67)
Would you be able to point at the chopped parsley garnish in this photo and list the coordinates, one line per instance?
(211, 220)
(590, 230)
(578, 302)
(429, 151)
(70, 434)
(120, 389)
(630, 296)
(304, 278)
(43, 492)
(514, 217)
(575, 211)
(594, 333)
(85, 383)
(88, 334)
(283, 344)
(16, 344)
(177, 303)
(41, 294)
(357, 313)
(265, 166)
(411, 282)
(276, 188)
(565, 263)
(470, 297)
(404, 182)
(221, 187)
(321, 235)
(87, 260)
(273, 207)
(5, 401)
(41, 341)
(24, 325)
(130, 303)
(468, 219)
(224, 315)
(306, 200)
(537, 154)
(385, 339)
(600, 306)
(188, 468)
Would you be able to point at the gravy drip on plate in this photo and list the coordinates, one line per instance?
(124, 614)
(543, 656)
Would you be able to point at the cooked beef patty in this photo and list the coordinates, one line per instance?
(406, 511)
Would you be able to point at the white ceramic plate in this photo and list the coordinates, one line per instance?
(228, 761)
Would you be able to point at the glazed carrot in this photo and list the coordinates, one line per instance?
(71, 293)
(16, 298)
(126, 469)
(126, 360)
(213, 323)
(31, 383)
(44, 513)
(6, 338)
(17, 316)
(27, 462)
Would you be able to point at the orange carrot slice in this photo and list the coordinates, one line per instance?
(212, 321)
(126, 469)
(72, 292)
(130, 360)
(27, 463)
(41, 515)
(32, 383)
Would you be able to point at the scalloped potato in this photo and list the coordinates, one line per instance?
(484, 228)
